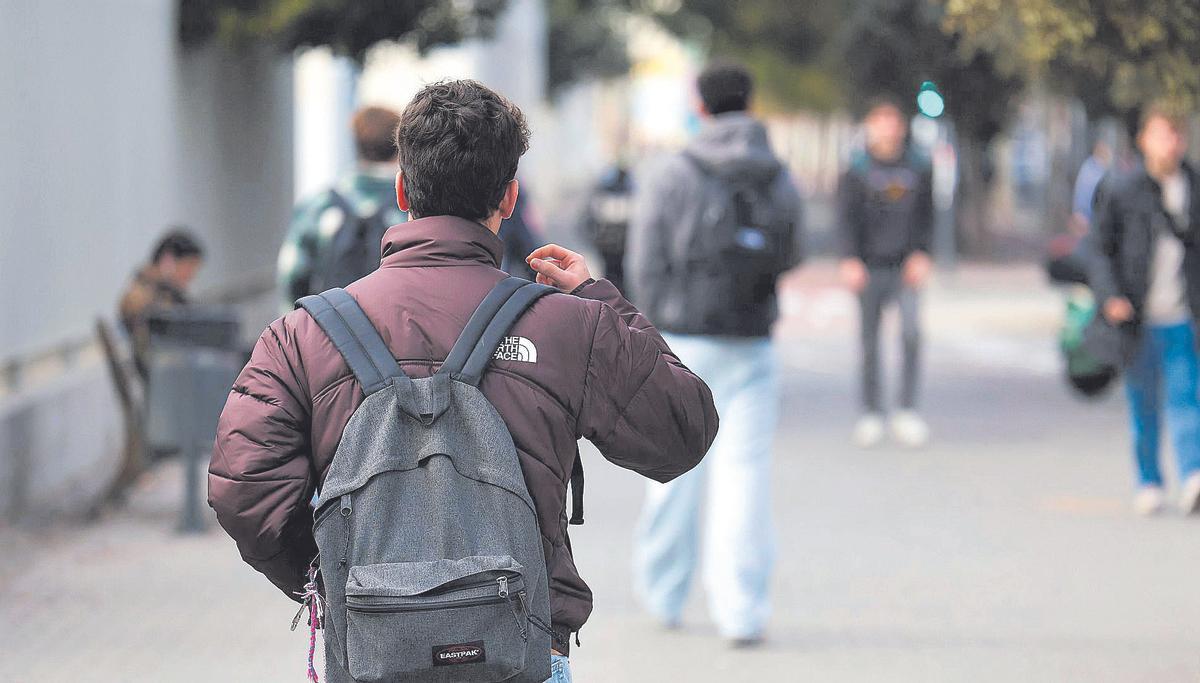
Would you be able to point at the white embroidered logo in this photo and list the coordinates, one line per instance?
(517, 349)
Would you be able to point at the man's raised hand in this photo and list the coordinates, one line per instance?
(559, 267)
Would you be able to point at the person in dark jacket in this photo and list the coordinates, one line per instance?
(594, 367)
(712, 231)
(521, 234)
(160, 284)
(606, 220)
(885, 212)
(1145, 275)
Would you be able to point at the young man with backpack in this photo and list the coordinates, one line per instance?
(712, 231)
(885, 212)
(430, 412)
(334, 237)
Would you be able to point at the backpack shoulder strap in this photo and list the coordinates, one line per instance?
(507, 301)
(347, 326)
(339, 200)
(342, 202)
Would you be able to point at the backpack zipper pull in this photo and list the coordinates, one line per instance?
(296, 619)
(503, 581)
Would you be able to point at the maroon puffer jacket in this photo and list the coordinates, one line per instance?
(601, 372)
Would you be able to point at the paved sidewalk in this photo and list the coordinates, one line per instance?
(1003, 552)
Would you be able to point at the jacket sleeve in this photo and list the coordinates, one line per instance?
(849, 217)
(1101, 248)
(260, 479)
(641, 407)
(793, 207)
(648, 262)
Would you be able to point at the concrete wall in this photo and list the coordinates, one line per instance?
(108, 133)
(59, 444)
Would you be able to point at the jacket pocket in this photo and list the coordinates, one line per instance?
(452, 620)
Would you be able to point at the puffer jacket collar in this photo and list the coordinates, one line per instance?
(440, 241)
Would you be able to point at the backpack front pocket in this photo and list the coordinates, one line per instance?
(444, 620)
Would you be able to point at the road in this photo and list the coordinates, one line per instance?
(1004, 551)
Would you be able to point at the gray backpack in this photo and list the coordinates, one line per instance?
(429, 549)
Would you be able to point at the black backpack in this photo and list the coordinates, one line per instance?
(736, 256)
(354, 251)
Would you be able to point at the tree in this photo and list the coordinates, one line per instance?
(890, 47)
(349, 27)
(585, 41)
(783, 42)
(1113, 54)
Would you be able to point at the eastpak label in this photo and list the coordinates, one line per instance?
(459, 653)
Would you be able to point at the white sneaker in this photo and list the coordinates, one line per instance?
(909, 429)
(1189, 497)
(868, 431)
(1149, 501)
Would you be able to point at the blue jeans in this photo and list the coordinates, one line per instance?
(560, 670)
(1165, 359)
(739, 544)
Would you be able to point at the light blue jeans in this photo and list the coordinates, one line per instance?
(1165, 366)
(560, 670)
(733, 481)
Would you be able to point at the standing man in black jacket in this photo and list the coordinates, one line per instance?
(1145, 274)
(885, 203)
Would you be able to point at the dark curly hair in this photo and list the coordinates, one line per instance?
(459, 145)
(178, 242)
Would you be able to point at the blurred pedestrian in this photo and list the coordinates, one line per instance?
(581, 362)
(885, 213)
(606, 220)
(1145, 273)
(160, 284)
(1091, 172)
(521, 233)
(335, 236)
(711, 233)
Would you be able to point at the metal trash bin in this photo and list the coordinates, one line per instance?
(194, 358)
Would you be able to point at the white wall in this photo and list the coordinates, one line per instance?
(108, 133)
(324, 100)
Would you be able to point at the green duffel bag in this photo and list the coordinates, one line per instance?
(1087, 373)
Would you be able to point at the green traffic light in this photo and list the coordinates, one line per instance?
(929, 101)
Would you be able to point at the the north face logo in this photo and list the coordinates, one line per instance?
(460, 653)
(517, 349)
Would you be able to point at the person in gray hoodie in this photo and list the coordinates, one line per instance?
(712, 230)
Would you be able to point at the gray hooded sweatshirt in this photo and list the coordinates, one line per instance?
(675, 201)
